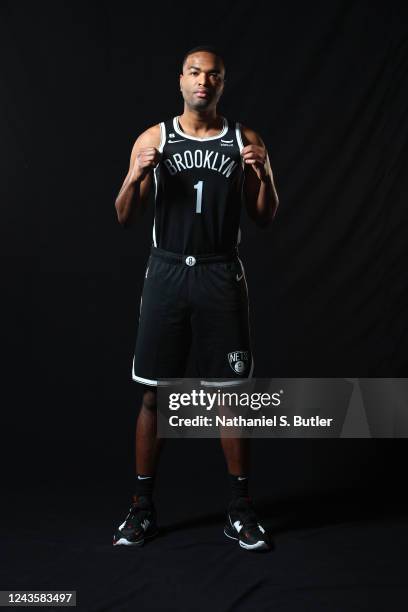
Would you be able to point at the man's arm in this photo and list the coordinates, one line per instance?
(261, 198)
(133, 195)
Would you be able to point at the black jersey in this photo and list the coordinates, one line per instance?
(198, 190)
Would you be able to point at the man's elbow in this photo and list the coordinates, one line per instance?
(127, 217)
(121, 215)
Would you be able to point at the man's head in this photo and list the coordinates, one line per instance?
(202, 78)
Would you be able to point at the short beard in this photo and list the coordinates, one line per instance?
(200, 104)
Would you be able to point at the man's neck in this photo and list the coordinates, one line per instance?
(200, 124)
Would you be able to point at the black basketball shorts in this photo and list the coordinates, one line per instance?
(199, 301)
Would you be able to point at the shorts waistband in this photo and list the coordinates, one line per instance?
(192, 260)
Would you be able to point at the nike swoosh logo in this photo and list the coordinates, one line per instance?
(143, 477)
(242, 477)
(171, 141)
(238, 277)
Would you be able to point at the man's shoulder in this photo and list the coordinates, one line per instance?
(150, 137)
(249, 136)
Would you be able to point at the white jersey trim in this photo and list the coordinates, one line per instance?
(162, 136)
(155, 197)
(239, 137)
(181, 133)
(240, 146)
(249, 326)
(146, 381)
(150, 381)
(161, 147)
(228, 383)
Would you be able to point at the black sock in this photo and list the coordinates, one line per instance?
(144, 486)
(239, 486)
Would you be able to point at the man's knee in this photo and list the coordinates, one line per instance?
(150, 399)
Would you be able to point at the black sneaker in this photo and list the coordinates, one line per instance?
(139, 525)
(243, 525)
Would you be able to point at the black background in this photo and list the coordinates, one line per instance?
(325, 85)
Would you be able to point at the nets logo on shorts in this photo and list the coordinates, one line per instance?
(239, 361)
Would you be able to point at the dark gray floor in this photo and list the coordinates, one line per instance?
(332, 554)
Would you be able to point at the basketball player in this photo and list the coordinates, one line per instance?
(202, 166)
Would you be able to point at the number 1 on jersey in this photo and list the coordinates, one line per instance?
(199, 187)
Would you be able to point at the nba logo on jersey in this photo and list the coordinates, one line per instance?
(238, 361)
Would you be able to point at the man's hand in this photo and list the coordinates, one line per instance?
(256, 156)
(146, 159)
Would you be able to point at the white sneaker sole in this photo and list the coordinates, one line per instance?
(260, 545)
(125, 542)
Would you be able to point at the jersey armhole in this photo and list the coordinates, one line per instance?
(240, 143)
(162, 136)
(239, 136)
(161, 147)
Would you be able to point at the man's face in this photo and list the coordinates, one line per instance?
(202, 81)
